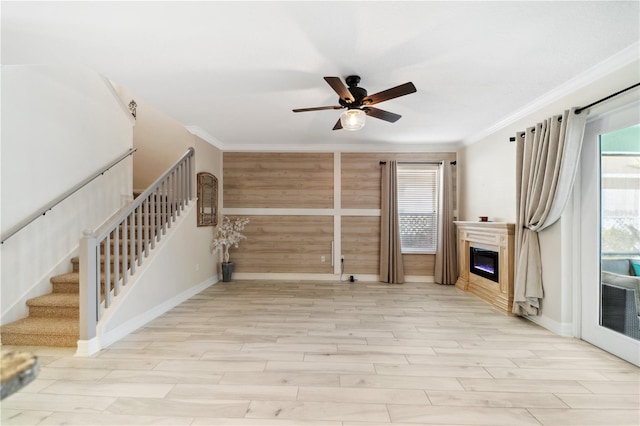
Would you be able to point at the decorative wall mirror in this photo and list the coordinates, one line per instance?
(207, 199)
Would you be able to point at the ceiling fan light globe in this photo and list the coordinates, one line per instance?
(352, 119)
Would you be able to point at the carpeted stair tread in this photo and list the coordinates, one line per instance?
(69, 277)
(55, 305)
(34, 331)
(67, 300)
(75, 261)
(74, 278)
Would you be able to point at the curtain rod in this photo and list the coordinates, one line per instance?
(579, 110)
(453, 163)
(599, 101)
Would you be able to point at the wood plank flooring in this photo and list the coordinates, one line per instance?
(335, 354)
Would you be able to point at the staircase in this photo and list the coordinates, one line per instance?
(53, 318)
(123, 242)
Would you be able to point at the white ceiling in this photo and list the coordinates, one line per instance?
(232, 71)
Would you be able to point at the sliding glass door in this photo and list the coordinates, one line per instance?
(610, 233)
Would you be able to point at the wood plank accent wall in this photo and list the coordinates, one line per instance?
(361, 244)
(278, 180)
(419, 264)
(361, 175)
(289, 241)
(285, 244)
(361, 249)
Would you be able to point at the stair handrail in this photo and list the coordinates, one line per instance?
(131, 233)
(49, 206)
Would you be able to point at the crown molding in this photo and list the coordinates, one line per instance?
(348, 147)
(593, 74)
(204, 135)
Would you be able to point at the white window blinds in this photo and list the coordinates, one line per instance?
(418, 206)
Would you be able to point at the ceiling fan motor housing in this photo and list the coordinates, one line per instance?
(358, 93)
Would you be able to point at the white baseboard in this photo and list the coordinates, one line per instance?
(564, 329)
(418, 279)
(112, 336)
(322, 277)
(285, 276)
(87, 348)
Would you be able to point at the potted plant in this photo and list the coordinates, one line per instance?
(226, 235)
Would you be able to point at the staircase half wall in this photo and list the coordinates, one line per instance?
(178, 268)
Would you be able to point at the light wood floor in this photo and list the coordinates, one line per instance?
(319, 353)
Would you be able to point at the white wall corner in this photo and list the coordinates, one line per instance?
(204, 135)
(111, 86)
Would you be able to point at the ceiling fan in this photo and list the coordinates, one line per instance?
(358, 103)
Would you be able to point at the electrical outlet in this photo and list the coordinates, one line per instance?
(197, 266)
(322, 259)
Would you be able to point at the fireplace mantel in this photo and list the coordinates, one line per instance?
(496, 236)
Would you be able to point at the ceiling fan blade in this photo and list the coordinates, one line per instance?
(338, 125)
(381, 114)
(316, 108)
(394, 92)
(339, 87)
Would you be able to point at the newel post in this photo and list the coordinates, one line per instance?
(88, 286)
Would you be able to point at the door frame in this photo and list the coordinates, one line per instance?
(587, 254)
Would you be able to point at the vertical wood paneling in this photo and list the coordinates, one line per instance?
(285, 244)
(278, 180)
(361, 244)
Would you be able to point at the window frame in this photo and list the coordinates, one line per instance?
(432, 184)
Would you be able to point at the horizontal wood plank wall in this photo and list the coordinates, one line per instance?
(278, 180)
(419, 264)
(361, 175)
(361, 249)
(361, 244)
(285, 244)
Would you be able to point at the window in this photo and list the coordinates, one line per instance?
(620, 192)
(418, 207)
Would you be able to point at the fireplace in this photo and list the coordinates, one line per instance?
(487, 238)
(484, 263)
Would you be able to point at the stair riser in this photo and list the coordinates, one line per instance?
(135, 231)
(121, 244)
(76, 265)
(60, 341)
(66, 288)
(74, 288)
(54, 312)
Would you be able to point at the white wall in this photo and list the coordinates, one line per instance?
(486, 173)
(60, 124)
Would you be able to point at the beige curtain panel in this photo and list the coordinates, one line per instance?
(446, 267)
(391, 268)
(547, 159)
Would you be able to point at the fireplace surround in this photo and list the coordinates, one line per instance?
(483, 247)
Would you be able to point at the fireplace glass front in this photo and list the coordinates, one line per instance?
(484, 263)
